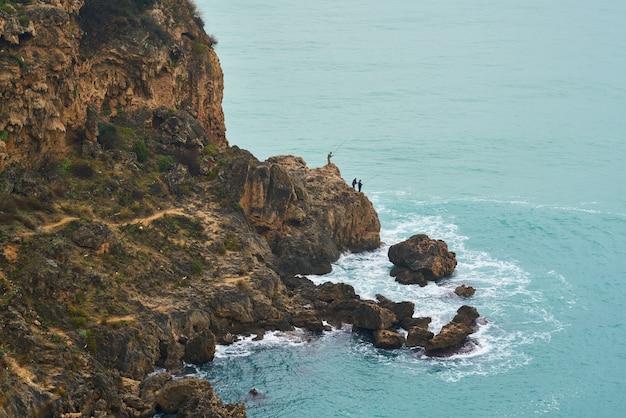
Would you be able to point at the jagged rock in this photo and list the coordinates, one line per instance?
(194, 397)
(451, 336)
(466, 315)
(200, 348)
(454, 334)
(307, 320)
(94, 235)
(387, 339)
(329, 292)
(418, 337)
(408, 323)
(369, 315)
(80, 53)
(308, 216)
(402, 310)
(465, 291)
(405, 275)
(427, 259)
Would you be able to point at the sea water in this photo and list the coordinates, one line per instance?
(497, 126)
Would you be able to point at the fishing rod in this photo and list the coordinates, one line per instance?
(340, 146)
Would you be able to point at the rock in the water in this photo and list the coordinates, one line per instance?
(427, 259)
(388, 339)
(451, 336)
(369, 315)
(418, 337)
(405, 275)
(454, 334)
(466, 315)
(465, 291)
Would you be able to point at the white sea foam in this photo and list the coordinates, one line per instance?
(245, 346)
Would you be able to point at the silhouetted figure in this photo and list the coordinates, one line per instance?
(360, 185)
(330, 154)
(354, 183)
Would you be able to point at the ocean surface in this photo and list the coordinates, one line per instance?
(497, 126)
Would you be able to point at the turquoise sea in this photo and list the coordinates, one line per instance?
(497, 126)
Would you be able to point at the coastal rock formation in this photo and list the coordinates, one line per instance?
(192, 396)
(58, 59)
(454, 334)
(420, 259)
(465, 291)
(388, 339)
(131, 235)
(308, 216)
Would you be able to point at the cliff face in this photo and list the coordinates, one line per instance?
(61, 57)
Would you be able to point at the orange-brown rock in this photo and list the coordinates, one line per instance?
(308, 216)
(63, 57)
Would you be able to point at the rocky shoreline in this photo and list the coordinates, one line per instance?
(134, 237)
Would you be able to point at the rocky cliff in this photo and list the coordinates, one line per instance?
(132, 236)
(60, 58)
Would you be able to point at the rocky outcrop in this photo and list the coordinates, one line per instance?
(454, 334)
(464, 291)
(58, 59)
(308, 216)
(420, 259)
(194, 397)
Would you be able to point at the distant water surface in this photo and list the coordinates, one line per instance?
(498, 127)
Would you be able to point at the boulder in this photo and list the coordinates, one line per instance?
(418, 337)
(387, 339)
(371, 316)
(426, 258)
(465, 291)
(194, 397)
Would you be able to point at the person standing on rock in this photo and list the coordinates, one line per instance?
(354, 183)
(330, 154)
(360, 185)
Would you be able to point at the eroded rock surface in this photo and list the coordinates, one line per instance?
(421, 259)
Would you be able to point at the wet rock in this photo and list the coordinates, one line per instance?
(409, 323)
(418, 337)
(425, 258)
(465, 291)
(371, 316)
(308, 321)
(453, 335)
(387, 339)
(402, 310)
